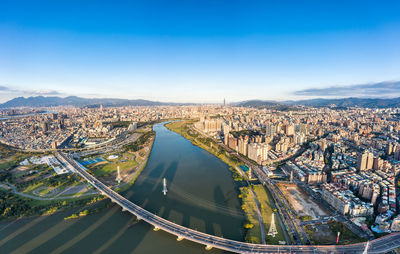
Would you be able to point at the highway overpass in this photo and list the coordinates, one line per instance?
(381, 245)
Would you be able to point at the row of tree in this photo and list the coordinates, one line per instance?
(140, 142)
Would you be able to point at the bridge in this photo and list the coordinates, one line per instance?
(381, 245)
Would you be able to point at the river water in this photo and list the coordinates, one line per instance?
(201, 195)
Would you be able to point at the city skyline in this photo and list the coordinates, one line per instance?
(197, 52)
(189, 126)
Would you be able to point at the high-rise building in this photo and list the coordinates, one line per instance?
(317, 177)
(289, 129)
(132, 126)
(303, 129)
(365, 161)
(389, 148)
(270, 129)
(299, 139)
(258, 152)
(45, 126)
(397, 153)
(232, 142)
(378, 163)
(370, 160)
(362, 162)
(242, 145)
(225, 129)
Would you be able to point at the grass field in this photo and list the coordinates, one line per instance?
(32, 187)
(181, 127)
(40, 189)
(124, 161)
(10, 162)
(325, 234)
(267, 208)
(249, 206)
(10, 158)
(253, 234)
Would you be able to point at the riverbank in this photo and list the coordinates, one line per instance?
(15, 207)
(257, 205)
(208, 144)
(18, 204)
(131, 180)
(201, 195)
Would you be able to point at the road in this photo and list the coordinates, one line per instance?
(260, 219)
(11, 187)
(338, 216)
(292, 224)
(381, 245)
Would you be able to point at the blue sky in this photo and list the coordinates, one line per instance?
(199, 51)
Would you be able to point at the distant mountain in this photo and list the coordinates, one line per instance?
(343, 102)
(349, 102)
(41, 101)
(256, 103)
(266, 104)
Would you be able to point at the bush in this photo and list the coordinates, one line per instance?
(139, 143)
(248, 225)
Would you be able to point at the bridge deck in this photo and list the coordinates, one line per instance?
(380, 245)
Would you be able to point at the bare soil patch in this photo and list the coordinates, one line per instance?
(301, 202)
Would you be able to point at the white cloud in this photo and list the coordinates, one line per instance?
(380, 89)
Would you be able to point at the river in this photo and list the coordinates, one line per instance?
(25, 115)
(201, 195)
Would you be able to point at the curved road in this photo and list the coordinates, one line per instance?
(56, 197)
(381, 245)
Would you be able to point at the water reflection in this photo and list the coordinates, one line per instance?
(201, 195)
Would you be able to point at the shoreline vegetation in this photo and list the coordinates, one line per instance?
(208, 144)
(128, 184)
(251, 224)
(14, 206)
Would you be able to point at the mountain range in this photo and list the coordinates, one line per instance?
(41, 101)
(342, 102)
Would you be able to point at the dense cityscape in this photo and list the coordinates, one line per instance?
(320, 166)
(200, 127)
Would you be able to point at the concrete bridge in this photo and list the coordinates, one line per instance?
(381, 245)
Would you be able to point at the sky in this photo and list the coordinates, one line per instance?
(200, 51)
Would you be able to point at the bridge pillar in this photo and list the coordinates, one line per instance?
(180, 238)
(156, 228)
(208, 247)
(123, 209)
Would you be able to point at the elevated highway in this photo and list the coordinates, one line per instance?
(381, 245)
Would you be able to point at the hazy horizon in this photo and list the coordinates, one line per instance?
(200, 52)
